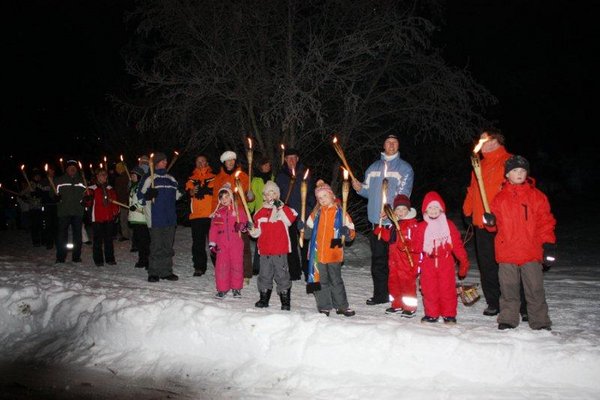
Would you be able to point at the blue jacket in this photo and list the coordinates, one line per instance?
(163, 211)
(283, 180)
(400, 178)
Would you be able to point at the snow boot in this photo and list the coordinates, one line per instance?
(285, 299)
(346, 312)
(408, 314)
(265, 295)
(237, 294)
(429, 319)
(503, 326)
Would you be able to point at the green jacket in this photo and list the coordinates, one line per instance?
(71, 192)
(257, 186)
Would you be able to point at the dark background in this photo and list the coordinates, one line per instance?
(62, 58)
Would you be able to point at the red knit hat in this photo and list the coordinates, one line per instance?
(402, 200)
(431, 197)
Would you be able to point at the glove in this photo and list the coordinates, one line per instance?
(549, 255)
(151, 194)
(277, 203)
(345, 231)
(198, 192)
(468, 220)
(240, 227)
(489, 219)
(132, 207)
(299, 225)
(214, 249)
(462, 271)
(250, 195)
(385, 233)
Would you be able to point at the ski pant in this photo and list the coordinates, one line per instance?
(297, 258)
(124, 223)
(200, 228)
(256, 259)
(274, 267)
(531, 276)
(247, 257)
(75, 222)
(50, 226)
(488, 268)
(379, 268)
(438, 284)
(103, 248)
(37, 226)
(333, 292)
(402, 282)
(141, 241)
(161, 251)
(229, 270)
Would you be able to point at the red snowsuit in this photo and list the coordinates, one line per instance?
(229, 269)
(438, 282)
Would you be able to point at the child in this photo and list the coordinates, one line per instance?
(524, 240)
(402, 280)
(440, 242)
(326, 227)
(104, 212)
(271, 228)
(137, 218)
(226, 243)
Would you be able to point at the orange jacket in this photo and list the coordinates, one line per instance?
(492, 172)
(325, 233)
(204, 179)
(222, 178)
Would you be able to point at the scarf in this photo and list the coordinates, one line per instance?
(437, 233)
(313, 283)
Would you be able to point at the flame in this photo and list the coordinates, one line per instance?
(101, 166)
(282, 146)
(121, 157)
(23, 167)
(176, 153)
(335, 139)
(484, 138)
(384, 198)
(305, 174)
(152, 155)
(46, 167)
(61, 160)
(139, 159)
(345, 174)
(250, 143)
(80, 167)
(237, 174)
(293, 172)
(104, 158)
(91, 166)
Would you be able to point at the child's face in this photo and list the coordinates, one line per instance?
(517, 176)
(325, 199)
(134, 178)
(102, 177)
(401, 211)
(433, 211)
(225, 199)
(269, 196)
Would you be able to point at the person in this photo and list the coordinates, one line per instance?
(440, 243)
(49, 211)
(289, 179)
(227, 175)
(525, 239)
(140, 238)
(200, 188)
(100, 197)
(70, 190)
(225, 241)
(36, 194)
(492, 171)
(271, 223)
(400, 178)
(328, 229)
(403, 271)
(122, 182)
(144, 163)
(263, 175)
(160, 193)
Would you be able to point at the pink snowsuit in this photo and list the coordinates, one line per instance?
(229, 269)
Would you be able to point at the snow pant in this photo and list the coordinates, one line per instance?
(75, 222)
(103, 249)
(247, 260)
(531, 276)
(124, 223)
(229, 270)
(141, 241)
(488, 268)
(379, 268)
(274, 267)
(50, 226)
(37, 227)
(402, 281)
(161, 251)
(438, 285)
(297, 258)
(333, 292)
(200, 228)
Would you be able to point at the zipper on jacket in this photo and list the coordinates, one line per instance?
(525, 209)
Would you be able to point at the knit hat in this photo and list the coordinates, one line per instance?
(291, 152)
(271, 186)
(158, 157)
(402, 200)
(228, 155)
(435, 198)
(516, 162)
(323, 187)
(139, 171)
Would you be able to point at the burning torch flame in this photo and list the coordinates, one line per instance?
(335, 139)
(293, 172)
(80, 167)
(483, 139)
(101, 166)
(250, 143)
(305, 174)
(237, 174)
(176, 153)
(345, 174)
(282, 146)
(23, 167)
(46, 167)
(121, 157)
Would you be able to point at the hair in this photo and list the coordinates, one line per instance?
(495, 133)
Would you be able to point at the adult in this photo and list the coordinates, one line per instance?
(289, 180)
(49, 212)
(70, 190)
(492, 171)
(400, 177)
(160, 192)
(200, 188)
(122, 183)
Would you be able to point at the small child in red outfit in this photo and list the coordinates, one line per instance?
(440, 242)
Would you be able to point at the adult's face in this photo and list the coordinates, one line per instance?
(291, 161)
(490, 145)
(201, 162)
(391, 146)
(266, 167)
(229, 164)
(71, 170)
(162, 164)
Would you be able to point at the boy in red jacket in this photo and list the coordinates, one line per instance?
(439, 240)
(271, 225)
(524, 240)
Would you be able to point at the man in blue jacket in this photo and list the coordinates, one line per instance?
(400, 176)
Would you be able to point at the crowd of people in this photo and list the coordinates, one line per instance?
(256, 227)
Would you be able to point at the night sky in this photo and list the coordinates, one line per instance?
(61, 58)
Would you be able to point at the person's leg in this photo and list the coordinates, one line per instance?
(63, 237)
(510, 299)
(294, 257)
(323, 296)
(533, 283)
(488, 268)
(198, 246)
(143, 242)
(379, 269)
(77, 225)
(98, 235)
(338, 290)
(109, 249)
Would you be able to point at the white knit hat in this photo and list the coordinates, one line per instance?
(271, 186)
(228, 155)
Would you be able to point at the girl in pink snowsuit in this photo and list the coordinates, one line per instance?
(226, 243)
(440, 242)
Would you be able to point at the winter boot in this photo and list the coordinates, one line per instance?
(265, 295)
(285, 299)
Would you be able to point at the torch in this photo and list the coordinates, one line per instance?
(384, 188)
(282, 153)
(83, 174)
(475, 161)
(291, 185)
(303, 192)
(250, 156)
(175, 157)
(50, 179)
(125, 165)
(9, 191)
(62, 165)
(26, 178)
(340, 153)
(242, 195)
(152, 170)
(345, 191)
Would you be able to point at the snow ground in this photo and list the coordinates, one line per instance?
(78, 331)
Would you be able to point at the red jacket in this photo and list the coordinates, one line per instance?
(524, 222)
(274, 238)
(103, 210)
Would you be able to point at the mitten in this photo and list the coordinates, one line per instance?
(489, 219)
(549, 254)
(345, 231)
(151, 194)
(240, 227)
(132, 207)
(468, 220)
(277, 203)
(462, 270)
(299, 225)
(214, 249)
(385, 233)
(250, 195)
